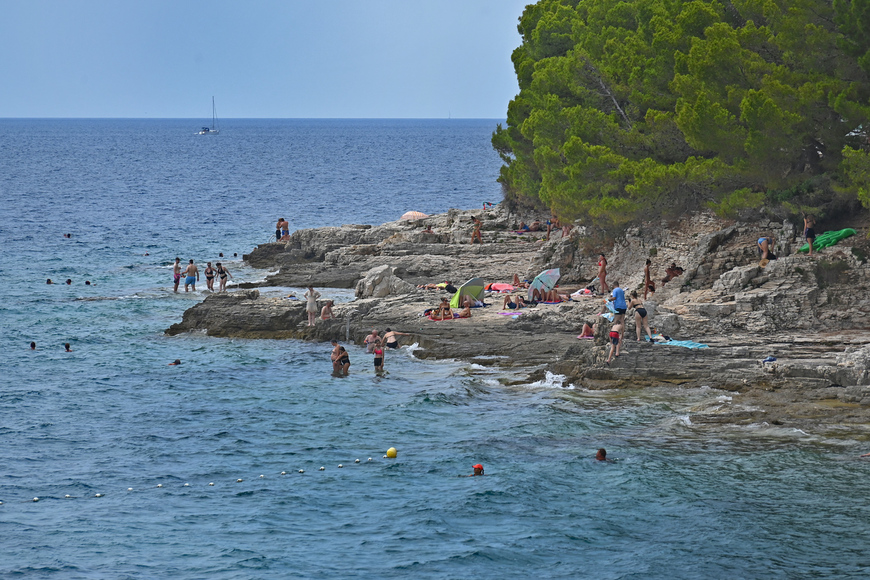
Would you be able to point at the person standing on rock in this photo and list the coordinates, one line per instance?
(809, 230)
(640, 315)
(311, 304)
(649, 287)
(602, 273)
(475, 233)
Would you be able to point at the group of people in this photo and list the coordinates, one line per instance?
(191, 276)
(312, 309)
(375, 345)
(66, 347)
(69, 282)
(620, 307)
(282, 230)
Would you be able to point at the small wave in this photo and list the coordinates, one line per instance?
(552, 381)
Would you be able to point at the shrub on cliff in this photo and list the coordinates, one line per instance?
(653, 107)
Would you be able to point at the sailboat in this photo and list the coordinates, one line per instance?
(213, 130)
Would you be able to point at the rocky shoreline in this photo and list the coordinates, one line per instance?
(811, 314)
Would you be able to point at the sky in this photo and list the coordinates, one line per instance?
(258, 58)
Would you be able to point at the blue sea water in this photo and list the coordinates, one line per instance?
(680, 501)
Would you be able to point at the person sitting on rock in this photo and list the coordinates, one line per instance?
(326, 311)
(509, 303)
(443, 311)
(465, 313)
(672, 272)
(588, 330)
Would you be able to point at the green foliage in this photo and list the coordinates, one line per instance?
(653, 107)
(735, 203)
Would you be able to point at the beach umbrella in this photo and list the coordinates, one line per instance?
(545, 281)
(473, 288)
(414, 215)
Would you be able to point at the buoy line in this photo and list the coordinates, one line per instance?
(391, 453)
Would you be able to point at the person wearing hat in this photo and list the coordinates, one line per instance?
(478, 470)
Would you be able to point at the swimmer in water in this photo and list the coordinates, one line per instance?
(601, 455)
(68, 281)
(32, 346)
(174, 363)
(66, 347)
(49, 281)
(478, 470)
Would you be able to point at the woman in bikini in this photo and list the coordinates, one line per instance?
(602, 273)
(475, 233)
(390, 340)
(209, 276)
(222, 274)
(640, 315)
(343, 362)
(379, 358)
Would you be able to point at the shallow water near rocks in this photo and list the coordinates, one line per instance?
(680, 501)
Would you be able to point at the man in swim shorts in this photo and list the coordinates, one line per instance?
(192, 275)
(176, 273)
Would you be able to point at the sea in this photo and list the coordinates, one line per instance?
(250, 460)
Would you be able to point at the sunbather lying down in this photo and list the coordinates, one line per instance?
(520, 283)
(541, 295)
(513, 303)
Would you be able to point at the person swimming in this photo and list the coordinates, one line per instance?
(478, 470)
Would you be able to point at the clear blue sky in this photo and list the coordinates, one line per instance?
(269, 58)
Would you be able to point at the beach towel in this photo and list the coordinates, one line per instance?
(690, 344)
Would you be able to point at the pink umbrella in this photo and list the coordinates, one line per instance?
(414, 215)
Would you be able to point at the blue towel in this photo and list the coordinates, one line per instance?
(684, 343)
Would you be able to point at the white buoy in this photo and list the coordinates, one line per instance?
(211, 484)
(240, 480)
(301, 471)
(356, 460)
(129, 489)
(385, 456)
(262, 477)
(370, 458)
(186, 485)
(159, 485)
(322, 468)
(283, 473)
(340, 465)
(67, 495)
(36, 499)
(98, 495)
